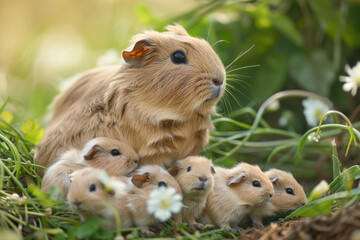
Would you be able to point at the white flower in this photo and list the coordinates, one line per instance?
(112, 184)
(313, 111)
(110, 57)
(319, 190)
(163, 202)
(352, 82)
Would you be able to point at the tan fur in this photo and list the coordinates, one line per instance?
(159, 108)
(193, 186)
(281, 202)
(141, 191)
(98, 203)
(98, 153)
(233, 197)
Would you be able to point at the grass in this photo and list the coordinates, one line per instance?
(33, 214)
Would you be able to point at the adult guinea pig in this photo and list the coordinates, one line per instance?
(195, 177)
(236, 191)
(289, 195)
(90, 195)
(116, 157)
(145, 180)
(159, 101)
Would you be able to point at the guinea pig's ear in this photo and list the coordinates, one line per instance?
(177, 29)
(212, 170)
(93, 151)
(174, 170)
(135, 56)
(139, 180)
(274, 180)
(236, 178)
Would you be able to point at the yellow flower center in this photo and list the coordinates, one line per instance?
(357, 80)
(165, 203)
(318, 113)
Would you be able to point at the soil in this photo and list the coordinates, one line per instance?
(343, 224)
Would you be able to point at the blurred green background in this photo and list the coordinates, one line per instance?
(293, 44)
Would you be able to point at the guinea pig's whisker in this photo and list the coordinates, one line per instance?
(238, 57)
(245, 67)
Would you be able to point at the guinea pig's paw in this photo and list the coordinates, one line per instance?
(258, 225)
(146, 232)
(197, 226)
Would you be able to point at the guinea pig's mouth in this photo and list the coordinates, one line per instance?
(217, 87)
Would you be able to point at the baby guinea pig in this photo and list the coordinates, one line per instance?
(116, 157)
(88, 196)
(195, 176)
(289, 195)
(146, 179)
(236, 191)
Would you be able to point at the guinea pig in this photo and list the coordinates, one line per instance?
(159, 100)
(88, 196)
(195, 177)
(116, 157)
(145, 180)
(236, 191)
(289, 195)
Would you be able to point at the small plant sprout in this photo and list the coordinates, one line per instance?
(352, 82)
(112, 185)
(319, 190)
(313, 111)
(163, 202)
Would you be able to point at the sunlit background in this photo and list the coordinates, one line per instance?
(283, 45)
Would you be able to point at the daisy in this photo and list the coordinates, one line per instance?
(352, 82)
(163, 202)
(314, 110)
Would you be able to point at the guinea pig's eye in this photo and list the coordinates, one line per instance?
(189, 169)
(115, 152)
(92, 188)
(178, 57)
(256, 183)
(162, 184)
(289, 191)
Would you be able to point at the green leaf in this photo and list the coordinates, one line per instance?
(42, 196)
(323, 205)
(313, 72)
(32, 131)
(7, 116)
(104, 234)
(89, 227)
(338, 184)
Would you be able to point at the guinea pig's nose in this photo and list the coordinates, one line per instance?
(203, 179)
(217, 82)
(77, 203)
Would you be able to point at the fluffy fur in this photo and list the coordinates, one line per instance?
(195, 177)
(282, 201)
(159, 108)
(97, 203)
(145, 180)
(234, 195)
(97, 154)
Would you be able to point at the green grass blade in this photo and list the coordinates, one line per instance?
(335, 160)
